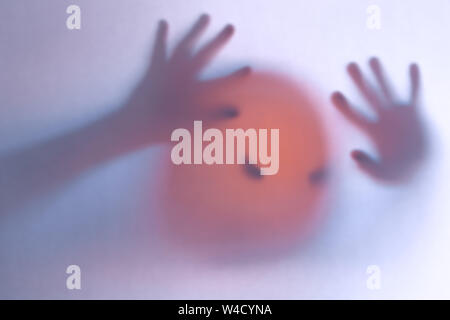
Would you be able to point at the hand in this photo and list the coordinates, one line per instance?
(165, 99)
(398, 133)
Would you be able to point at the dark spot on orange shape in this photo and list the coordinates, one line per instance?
(318, 176)
(225, 112)
(230, 112)
(253, 171)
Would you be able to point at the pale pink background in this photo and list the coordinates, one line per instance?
(53, 79)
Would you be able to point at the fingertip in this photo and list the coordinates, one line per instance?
(352, 66)
(414, 68)
(374, 61)
(353, 70)
(360, 157)
(415, 78)
(245, 71)
(241, 73)
(202, 21)
(229, 30)
(357, 155)
(204, 18)
(338, 99)
(337, 95)
(163, 25)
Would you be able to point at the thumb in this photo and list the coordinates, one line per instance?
(365, 162)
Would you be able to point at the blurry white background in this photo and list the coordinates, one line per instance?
(53, 79)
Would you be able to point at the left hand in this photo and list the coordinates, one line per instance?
(398, 133)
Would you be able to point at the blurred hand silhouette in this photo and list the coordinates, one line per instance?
(398, 133)
(165, 98)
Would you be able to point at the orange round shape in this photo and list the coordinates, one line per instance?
(231, 204)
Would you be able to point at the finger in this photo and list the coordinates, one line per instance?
(160, 45)
(204, 56)
(234, 77)
(363, 86)
(344, 107)
(186, 44)
(415, 83)
(365, 162)
(375, 65)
